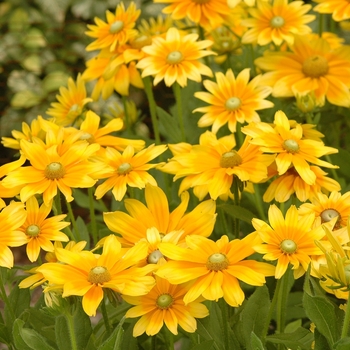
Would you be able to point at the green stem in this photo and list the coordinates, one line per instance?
(225, 322)
(76, 236)
(126, 116)
(169, 338)
(152, 107)
(72, 336)
(258, 202)
(92, 215)
(4, 297)
(320, 23)
(345, 328)
(178, 99)
(237, 203)
(57, 208)
(252, 59)
(105, 317)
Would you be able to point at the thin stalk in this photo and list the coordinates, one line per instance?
(105, 317)
(126, 116)
(4, 297)
(225, 321)
(345, 328)
(72, 336)
(320, 23)
(178, 99)
(152, 108)
(252, 58)
(237, 202)
(57, 208)
(258, 202)
(92, 215)
(169, 339)
(74, 223)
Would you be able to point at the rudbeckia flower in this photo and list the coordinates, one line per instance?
(277, 22)
(41, 230)
(340, 9)
(175, 58)
(89, 274)
(118, 29)
(290, 146)
(214, 268)
(312, 66)
(164, 305)
(289, 240)
(232, 99)
(134, 225)
(127, 169)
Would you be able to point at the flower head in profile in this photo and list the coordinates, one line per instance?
(289, 240)
(134, 225)
(340, 9)
(211, 166)
(41, 230)
(129, 168)
(232, 99)
(164, 305)
(213, 269)
(118, 29)
(277, 22)
(290, 146)
(89, 273)
(312, 66)
(71, 102)
(175, 58)
(12, 217)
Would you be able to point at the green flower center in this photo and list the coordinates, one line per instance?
(74, 109)
(124, 168)
(329, 214)
(174, 57)
(277, 22)
(141, 41)
(154, 257)
(230, 159)
(33, 230)
(315, 66)
(116, 27)
(54, 170)
(288, 246)
(99, 275)
(217, 262)
(87, 137)
(164, 301)
(291, 146)
(233, 103)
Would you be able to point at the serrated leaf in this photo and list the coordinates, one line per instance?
(114, 342)
(238, 212)
(301, 338)
(169, 126)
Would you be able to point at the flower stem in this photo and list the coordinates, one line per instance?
(178, 99)
(92, 215)
(169, 338)
(320, 23)
(72, 336)
(4, 297)
(258, 202)
(225, 321)
(236, 196)
(126, 116)
(152, 108)
(57, 208)
(74, 223)
(345, 328)
(105, 317)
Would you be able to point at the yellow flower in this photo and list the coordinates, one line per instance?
(277, 22)
(205, 13)
(291, 183)
(155, 26)
(329, 207)
(118, 29)
(127, 168)
(133, 227)
(11, 219)
(214, 268)
(289, 240)
(175, 58)
(50, 170)
(291, 147)
(41, 230)
(311, 66)
(340, 9)
(89, 274)
(232, 100)
(164, 305)
(71, 102)
(211, 166)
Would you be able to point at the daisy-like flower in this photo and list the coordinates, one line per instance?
(211, 166)
(214, 268)
(50, 171)
(291, 183)
(41, 230)
(127, 168)
(290, 146)
(208, 13)
(164, 305)
(329, 207)
(312, 66)
(175, 58)
(232, 100)
(71, 102)
(289, 240)
(155, 26)
(277, 22)
(89, 273)
(156, 214)
(118, 29)
(11, 217)
(340, 9)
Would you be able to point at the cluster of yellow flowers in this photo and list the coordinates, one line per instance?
(162, 260)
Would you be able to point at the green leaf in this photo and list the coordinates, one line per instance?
(238, 212)
(301, 338)
(321, 342)
(19, 300)
(19, 342)
(255, 342)
(169, 126)
(206, 345)
(254, 314)
(323, 314)
(54, 9)
(342, 344)
(83, 231)
(4, 334)
(43, 322)
(114, 342)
